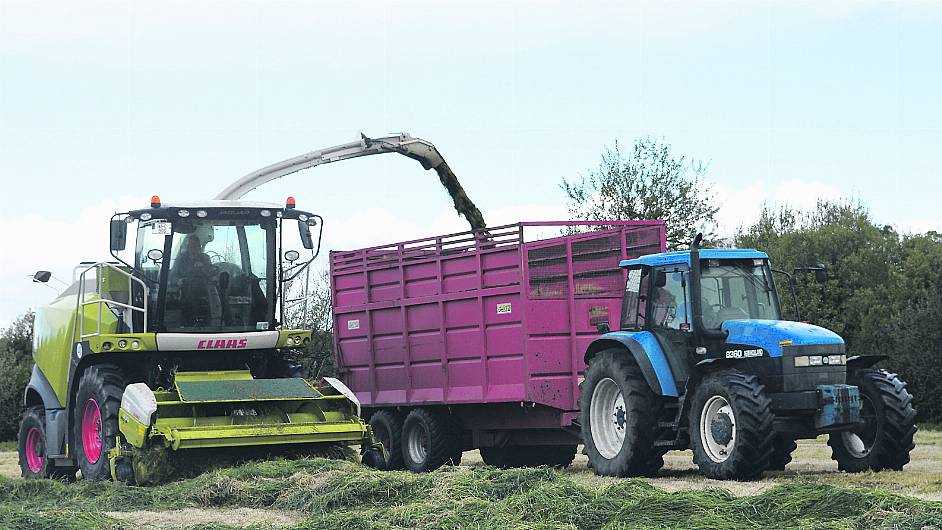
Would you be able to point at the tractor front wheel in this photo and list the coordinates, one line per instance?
(731, 426)
(95, 419)
(889, 423)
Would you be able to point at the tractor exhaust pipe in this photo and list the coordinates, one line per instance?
(696, 302)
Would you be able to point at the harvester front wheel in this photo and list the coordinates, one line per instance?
(731, 426)
(95, 419)
(889, 423)
(34, 462)
(619, 414)
(430, 439)
(387, 428)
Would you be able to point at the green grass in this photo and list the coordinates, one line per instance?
(342, 495)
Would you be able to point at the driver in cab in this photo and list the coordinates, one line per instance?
(192, 261)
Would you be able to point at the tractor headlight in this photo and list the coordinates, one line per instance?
(814, 360)
(820, 360)
(837, 359)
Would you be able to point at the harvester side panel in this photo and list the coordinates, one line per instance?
(480, 317)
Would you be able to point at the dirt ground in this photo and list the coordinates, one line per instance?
(922, 478)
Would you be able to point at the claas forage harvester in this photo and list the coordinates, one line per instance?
(181, 350)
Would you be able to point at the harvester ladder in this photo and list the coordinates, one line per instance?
(127, 308)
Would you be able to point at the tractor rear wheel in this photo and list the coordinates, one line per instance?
(886, 438)
(31, 444)
(529, 456)
(619, 414)
(95, 419)
(387, 428)
(731, 426)
(430, 439)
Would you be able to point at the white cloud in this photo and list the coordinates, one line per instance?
(742, 206)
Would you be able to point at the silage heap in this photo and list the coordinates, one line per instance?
(343, 495)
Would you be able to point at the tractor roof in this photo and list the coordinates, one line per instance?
(683, 256)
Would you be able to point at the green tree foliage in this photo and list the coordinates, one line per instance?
(317, 359)
(16, 361)
(649, 183)
(883, 293)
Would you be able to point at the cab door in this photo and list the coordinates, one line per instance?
(669, 317)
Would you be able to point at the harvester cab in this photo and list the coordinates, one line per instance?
(183, 348)
(704, 360)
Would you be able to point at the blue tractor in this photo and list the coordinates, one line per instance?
(704, 361)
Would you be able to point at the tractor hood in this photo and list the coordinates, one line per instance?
(770, 334)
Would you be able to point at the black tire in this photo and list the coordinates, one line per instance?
(749, 429)
(887, 437)
(387, 428)
(32, 440)
(559, 456)
(782, 448)
(104, 384)
(430, 439)
(637, 456)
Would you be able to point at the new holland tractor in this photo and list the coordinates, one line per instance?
(704, 360)
(181, 350)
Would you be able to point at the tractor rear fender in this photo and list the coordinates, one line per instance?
(40, 393)
(864, 361)
(646, 351)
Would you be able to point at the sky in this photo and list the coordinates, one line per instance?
(105, 103)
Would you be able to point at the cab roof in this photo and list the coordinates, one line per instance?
(683, 256)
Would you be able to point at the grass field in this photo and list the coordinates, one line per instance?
(321, 493)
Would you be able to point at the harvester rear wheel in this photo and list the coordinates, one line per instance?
(430, 439)
(529, 456)
(620, 414)
(387, 428)
(731, 429)
(34, 462)
(886, 438)
(95, 419)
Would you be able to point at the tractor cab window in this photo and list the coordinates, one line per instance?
(737, 289)
(669, 307)
(219, 276)
(635, 301)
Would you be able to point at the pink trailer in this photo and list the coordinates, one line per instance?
(476, 339)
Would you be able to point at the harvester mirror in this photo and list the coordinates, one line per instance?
(119, 234)
(42, 276)
(305, 232)
(155, 254)
(820, 273)
(292, 255)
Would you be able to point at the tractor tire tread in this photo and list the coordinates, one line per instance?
(107, 381)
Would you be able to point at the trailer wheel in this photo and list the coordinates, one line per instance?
(31, 445)
(429, 440)
(782, 448)
(620, 414)
(387, 428)
(529, 456)
(95, 419)
(886, 438)
(731, 426)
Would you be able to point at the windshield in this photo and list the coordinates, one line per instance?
(217, 273)
(737, 289)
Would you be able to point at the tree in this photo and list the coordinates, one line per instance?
(650, 183)
(317, 359)
(16, 346)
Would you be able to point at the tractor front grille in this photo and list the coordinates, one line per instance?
(800, 378)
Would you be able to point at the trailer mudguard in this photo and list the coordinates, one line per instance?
(646, 351)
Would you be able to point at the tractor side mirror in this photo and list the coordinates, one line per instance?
(119, 235)
(305, 232)
(42, 276)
